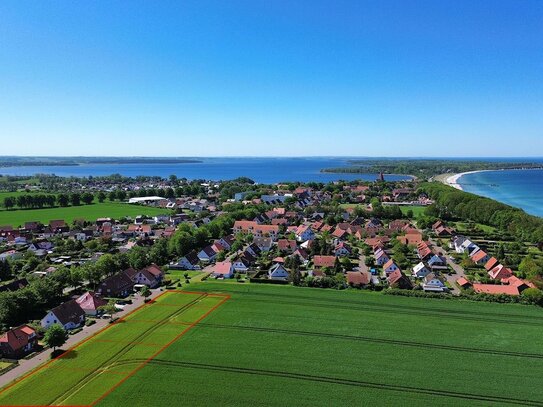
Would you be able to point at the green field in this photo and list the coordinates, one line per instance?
(86, 373)
(18, 217)
(280, 346)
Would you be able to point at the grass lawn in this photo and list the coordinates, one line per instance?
(417, 210)
(3, 365)
(180, 274)
(270, 345)
(18, 217)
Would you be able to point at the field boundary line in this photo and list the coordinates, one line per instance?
(118, 321)
(225, 297)
(37, 369)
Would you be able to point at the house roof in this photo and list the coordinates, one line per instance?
(491, 263)
(496, 289)
(17, 338)
(324, 261)
(223, 267)
(478, 255)
(358, 277)
(70, 311)
(90, 301)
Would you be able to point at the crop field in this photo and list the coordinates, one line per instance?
(17, 217)
(88, 372)
(269, 345)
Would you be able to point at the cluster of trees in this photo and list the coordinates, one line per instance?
(452, 204)
(38, 201)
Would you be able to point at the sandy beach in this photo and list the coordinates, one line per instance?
(453, 179)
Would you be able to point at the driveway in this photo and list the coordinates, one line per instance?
(27, 365)
(456, 267)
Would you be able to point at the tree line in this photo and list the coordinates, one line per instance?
(451, 204)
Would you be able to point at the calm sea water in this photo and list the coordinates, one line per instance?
(261, 170)
(520, 188)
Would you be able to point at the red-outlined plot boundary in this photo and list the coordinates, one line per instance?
(125, 375)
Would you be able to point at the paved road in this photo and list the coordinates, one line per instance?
(456, 267)
(27, 365)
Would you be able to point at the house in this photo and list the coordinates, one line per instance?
(263, 243)
(69, 315)
(117, 285)
(411, 238)
(241, 264)
(207, 254)
(437, 262)
(342, 249)
(480, 257)
(496, 289)
(304, 232)
(190, 261)
(17, 342)
(227, 241)
(424, 251)
(254, 250)
(463, 282)
(500, 272)
(433, 282)
(420, 270)
(381, 257)
(278, 272)
(390, 267)
(271, 231)
(464, 245)
(285, 245)
(302, 255)
(223, 269)
(90, 302)
(151, 276)
(358, 278)
(397, 279)
(491, 263)
(10, 255)
(324, 261)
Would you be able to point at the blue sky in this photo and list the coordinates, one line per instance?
(204, 78)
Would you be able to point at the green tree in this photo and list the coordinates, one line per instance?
(145, 292)
(55, 336)
(87, 198)
(109, 308)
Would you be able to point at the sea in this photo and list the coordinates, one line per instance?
(260, 170)
(519, 188)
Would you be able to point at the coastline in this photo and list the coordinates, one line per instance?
(452, 181)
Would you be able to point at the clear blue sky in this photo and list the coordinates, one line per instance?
(202, 78)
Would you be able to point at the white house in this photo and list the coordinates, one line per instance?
(69, 315)
(189, 262)
(420, 270)
(207, 254)
(240, 264)
(278, 272)
(342, 249)
(223, 269)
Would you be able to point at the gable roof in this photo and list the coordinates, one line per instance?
(90, 301)
(70, 311)
(17, 338)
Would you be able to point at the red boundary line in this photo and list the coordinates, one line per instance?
(225, 298)
(32, 372)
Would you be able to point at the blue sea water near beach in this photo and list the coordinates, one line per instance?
(261, 170)
(519, 188)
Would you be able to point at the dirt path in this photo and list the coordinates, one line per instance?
(27, 365)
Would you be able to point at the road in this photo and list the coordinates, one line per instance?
(26, 365)
(456, 267)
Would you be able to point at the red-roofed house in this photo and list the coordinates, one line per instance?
(18, 342)
(491, 263)
(223, 269)
(358, 278)
(324, 261)
(480, 257)
(89, 302)
(500, 272)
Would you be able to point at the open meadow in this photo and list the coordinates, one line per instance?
(17, 217)
(269, 345)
